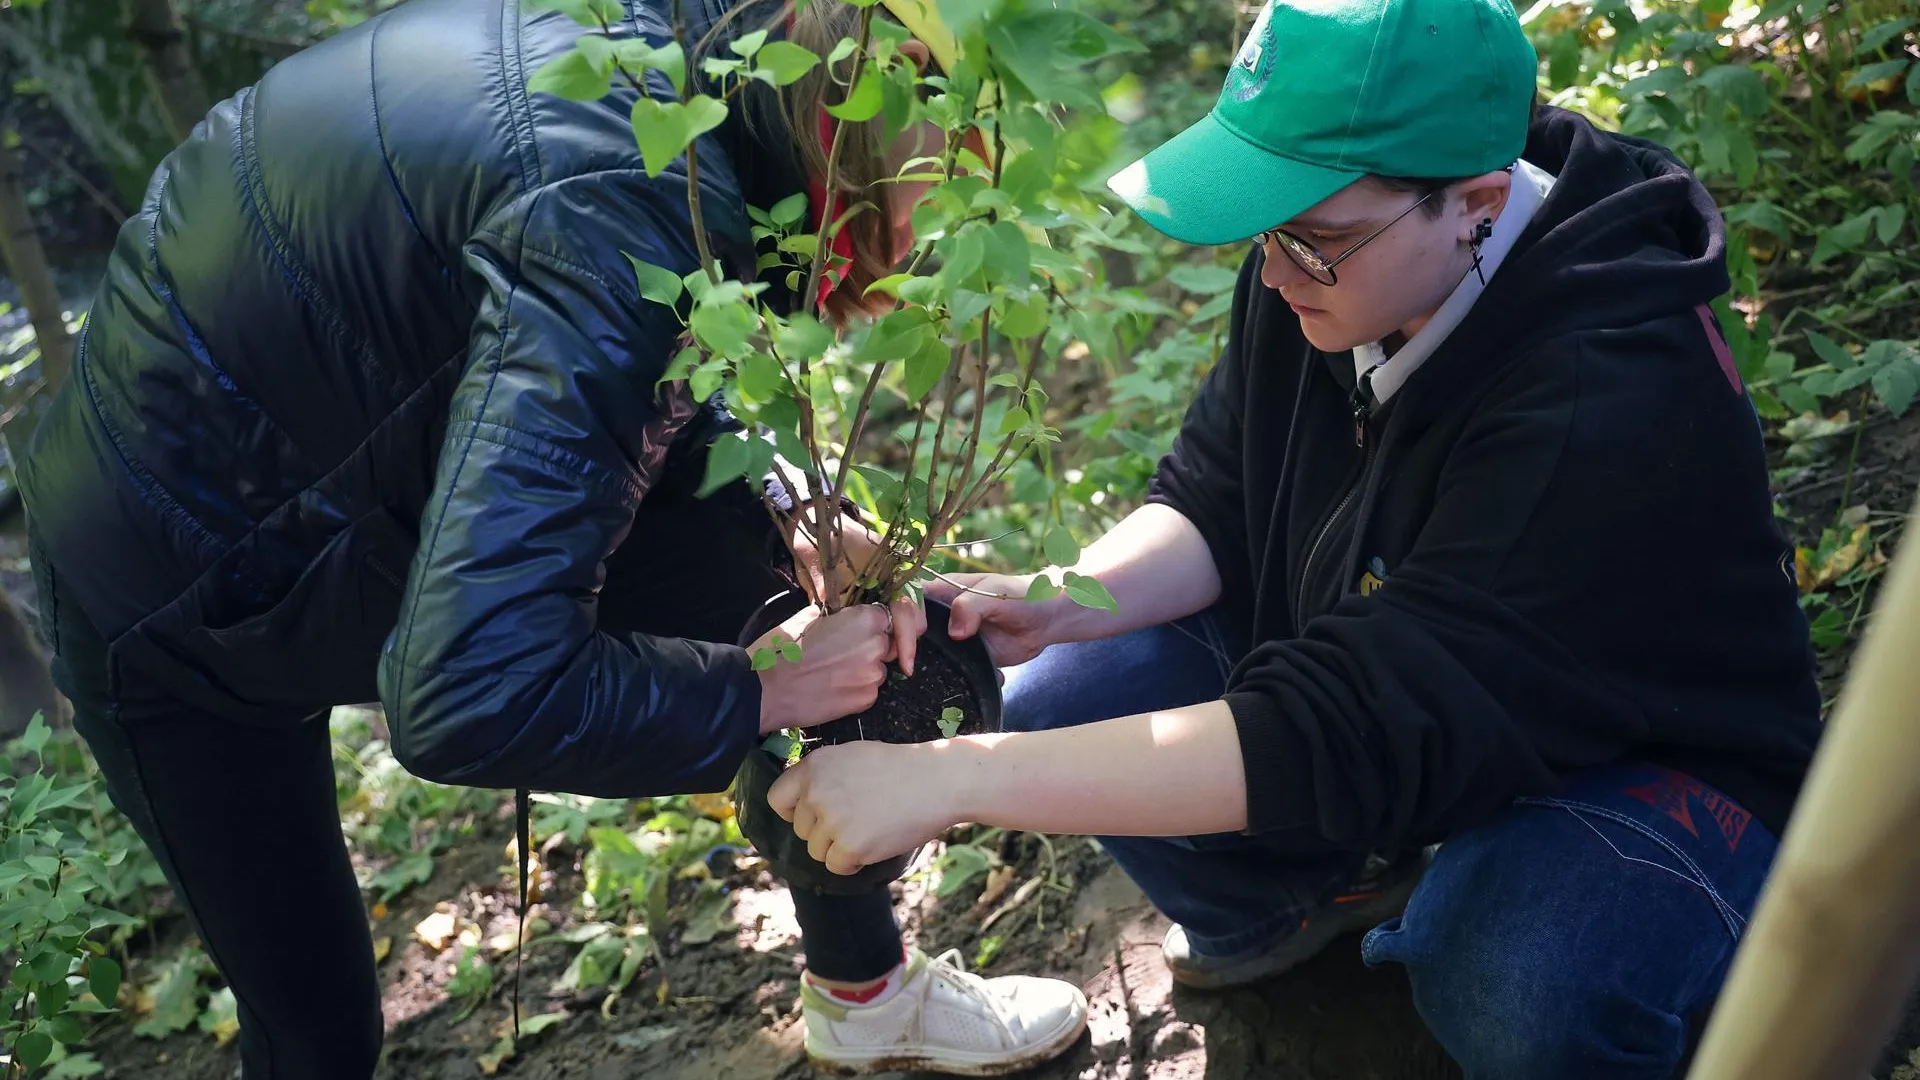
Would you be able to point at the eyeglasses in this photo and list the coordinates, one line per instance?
(1316, 265)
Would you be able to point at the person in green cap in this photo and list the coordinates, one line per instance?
(1457, 613)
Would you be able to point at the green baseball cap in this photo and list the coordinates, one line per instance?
(1324, 92)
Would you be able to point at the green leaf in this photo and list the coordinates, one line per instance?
(724, 328)
(1888, 221)
(950, 721)
(593, 13)
(1759, 214)
(926, 367)
(704, 114)
(570, 75)
(1026, 318)
(1014, 421)
(760, 378)
(1830, 351)
(841, 50)
(176, 999)
(1895, 383)
(1885, 69)
(707, 379)
(727, 460)
(1662, 80)
(961, 864)
(711, 916)
(103, 979)
(802, 338)
(1844, 237)
(36, 734)
(790, 651)
(1883, 33)
(65, 1029)
(1008, 260)
(780, 744)
(964, 253)
(76, 1067)
(222, 1016)
(1205, 279)
(785, 63)
(31, 1050)
(660, 285)
(864, 101)
(1797, 398)
(1913, 86)
(51, 999)
(682, 366)
(1739, 85)
(1088, 592)
(765, 658)
(664, 130)
(788, 211)
(1848, 379)
(748, 44)
(1061, 548)
(534, 1025)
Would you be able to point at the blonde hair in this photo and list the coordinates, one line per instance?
(861, 169)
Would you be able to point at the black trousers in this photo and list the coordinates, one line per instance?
(242, 817)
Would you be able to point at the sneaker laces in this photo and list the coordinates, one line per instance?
(950, 967)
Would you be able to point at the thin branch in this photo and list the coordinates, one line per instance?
(821, 247)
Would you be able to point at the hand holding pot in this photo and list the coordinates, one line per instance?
(843, 662)
(995, 607)
(860, 803)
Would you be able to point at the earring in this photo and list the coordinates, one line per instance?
(1480, 234)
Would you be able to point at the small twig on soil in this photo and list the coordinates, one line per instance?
(1816, 485)
(1020, 896)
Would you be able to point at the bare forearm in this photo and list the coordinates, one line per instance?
(1171, 773)
(1156, 565)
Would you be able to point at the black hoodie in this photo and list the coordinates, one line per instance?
(1562, 522)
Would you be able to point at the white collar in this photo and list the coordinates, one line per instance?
(1529, 190)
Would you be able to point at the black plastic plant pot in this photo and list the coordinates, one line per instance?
(948, 675)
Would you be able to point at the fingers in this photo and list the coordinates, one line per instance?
(909, 622)
(784, 796)
(841, 861)
(947, 586)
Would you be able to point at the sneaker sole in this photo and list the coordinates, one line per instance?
(1039, 1055)
(1348, 915)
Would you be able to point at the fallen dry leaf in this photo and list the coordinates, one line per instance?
(437, 930)
(715, 806)
(997, 881)
(380, 912)
(382, 948)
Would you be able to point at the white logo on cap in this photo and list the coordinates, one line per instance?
(1254, 55)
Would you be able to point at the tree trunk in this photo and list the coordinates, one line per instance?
(27, 262)
(170, 69)
(26, 687)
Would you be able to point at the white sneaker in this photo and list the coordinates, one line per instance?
(944, 1019)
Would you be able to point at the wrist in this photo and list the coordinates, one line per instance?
(768, 722)
(1069, 620)
(959, 776)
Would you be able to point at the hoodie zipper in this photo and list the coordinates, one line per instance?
(1363, 402)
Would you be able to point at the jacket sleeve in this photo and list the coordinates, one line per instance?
(1200, 475)
(1480, 671)
(496, 674)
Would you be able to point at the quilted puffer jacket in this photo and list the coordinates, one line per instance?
(369, 388)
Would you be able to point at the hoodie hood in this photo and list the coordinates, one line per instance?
(1627, 235)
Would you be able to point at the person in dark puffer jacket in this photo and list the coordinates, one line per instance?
(366, 408)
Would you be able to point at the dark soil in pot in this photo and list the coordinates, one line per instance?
(948, 674)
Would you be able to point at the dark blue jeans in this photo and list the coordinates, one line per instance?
(1585, 934)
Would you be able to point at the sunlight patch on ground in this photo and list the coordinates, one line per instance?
(766, 922)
